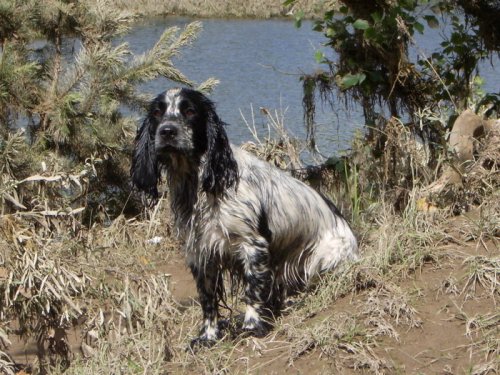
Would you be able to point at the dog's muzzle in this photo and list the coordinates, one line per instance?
(166, 136)
(168, 132)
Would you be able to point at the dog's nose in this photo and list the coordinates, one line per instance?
(168, 131)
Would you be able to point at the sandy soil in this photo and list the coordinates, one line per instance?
(439, 345)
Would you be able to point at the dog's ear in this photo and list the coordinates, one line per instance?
(144, 170)
(220, 169)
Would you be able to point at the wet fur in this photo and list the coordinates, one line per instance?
(235, 212)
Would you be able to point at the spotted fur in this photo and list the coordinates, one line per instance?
(235, 212)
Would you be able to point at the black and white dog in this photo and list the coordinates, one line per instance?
(235, 212)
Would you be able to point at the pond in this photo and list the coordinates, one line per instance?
(258, 63)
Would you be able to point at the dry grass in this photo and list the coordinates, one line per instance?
(56, 273)
(482, 331)
(6, 364)
(389, 302)
(341, 339)
(106, 279)
(218, 8)
(483, 272)
(134, 335)
(277, 146)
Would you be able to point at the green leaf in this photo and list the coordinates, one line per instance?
(408, 4)
(318, 26)
(319, 56)
(329, 15)
(343, 9)
(370, 33)
(376, 76)
(350, 80)
(361, 24)
(419, 27)
(332, 161)
(376, 17)
(330, 32)
(432, 21)
(288, 2)
(298, 18)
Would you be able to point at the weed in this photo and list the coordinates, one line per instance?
(490, 367)
(482, 330)
(6, 364)
(482, 272)
(341, 339)
(389, 301)
(277, 147)
(450, 286)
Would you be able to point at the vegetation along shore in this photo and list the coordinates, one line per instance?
(92, 276)
(222, 8)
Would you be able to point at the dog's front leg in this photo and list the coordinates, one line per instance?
(258, 279)
(209, 284)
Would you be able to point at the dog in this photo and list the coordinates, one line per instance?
(235, 212)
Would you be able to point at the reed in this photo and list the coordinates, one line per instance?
(221, 8)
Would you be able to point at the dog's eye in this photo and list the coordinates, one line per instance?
(189, 112)
(157, 113)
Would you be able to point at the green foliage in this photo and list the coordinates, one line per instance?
(65, 149)
(18, 88)
(71, 101)
(456, 62)
(373, 68)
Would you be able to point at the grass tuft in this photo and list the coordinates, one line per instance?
(341, 339)
(482, 272)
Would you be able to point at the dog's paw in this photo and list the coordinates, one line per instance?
(207, 338)
(200, 342)
(256, 328)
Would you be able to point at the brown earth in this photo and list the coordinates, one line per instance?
(444, 339)
(439, 346)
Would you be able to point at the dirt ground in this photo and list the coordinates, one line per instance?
(452, 326)
(440, 345)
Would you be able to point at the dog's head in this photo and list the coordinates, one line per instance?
(183, 123)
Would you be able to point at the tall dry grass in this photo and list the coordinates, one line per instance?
(221, 8)
(105, 279)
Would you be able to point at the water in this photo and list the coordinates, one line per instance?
(258, 63)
